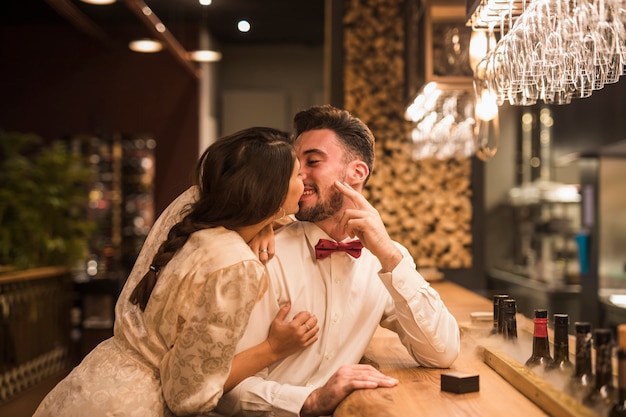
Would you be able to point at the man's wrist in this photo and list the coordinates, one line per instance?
(389, 262)
(308, 409)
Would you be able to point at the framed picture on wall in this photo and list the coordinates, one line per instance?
(446, 49)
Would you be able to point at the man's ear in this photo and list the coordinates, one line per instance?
(358, 172)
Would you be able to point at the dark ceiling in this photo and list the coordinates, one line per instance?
(273, 21)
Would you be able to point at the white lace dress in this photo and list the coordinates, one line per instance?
(172, 359)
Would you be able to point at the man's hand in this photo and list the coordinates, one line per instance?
(364, 222)
(288, 337)
(324, 400)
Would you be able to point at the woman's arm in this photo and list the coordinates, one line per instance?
(263, 243)
(284, 339)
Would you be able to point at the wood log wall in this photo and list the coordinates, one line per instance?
(425, 204)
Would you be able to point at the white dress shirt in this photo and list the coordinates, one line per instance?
(350, 298)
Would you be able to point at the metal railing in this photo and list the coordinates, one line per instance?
(34, 327)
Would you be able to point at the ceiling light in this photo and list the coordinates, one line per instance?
(205, 56)
(145, 45)
(205, 2)
(243, 26)
(99, 2)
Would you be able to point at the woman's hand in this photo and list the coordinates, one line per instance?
(285, 338)
(263, 244)
(288, 337)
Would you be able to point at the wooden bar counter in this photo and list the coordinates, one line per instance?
(419, 390)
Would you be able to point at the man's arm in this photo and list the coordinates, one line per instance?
(424, 324)
(348, 378)
(257, 395)
(419, 316)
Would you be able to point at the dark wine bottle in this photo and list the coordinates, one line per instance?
(510, 319)
(582, 381)
(619, 408)
(561, 362)
(541, 345)
(601, 397)
(501, 316)
(497, 323)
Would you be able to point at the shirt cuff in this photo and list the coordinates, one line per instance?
(289, 400)
(404, 279)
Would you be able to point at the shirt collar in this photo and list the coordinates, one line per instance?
(313, 234)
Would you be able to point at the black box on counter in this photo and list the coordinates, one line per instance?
(459, 382)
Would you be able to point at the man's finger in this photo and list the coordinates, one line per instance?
(354, 196)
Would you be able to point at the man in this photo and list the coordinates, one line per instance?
(347, 296)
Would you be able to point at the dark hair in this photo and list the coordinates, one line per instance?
(353, 133)
(243, 179)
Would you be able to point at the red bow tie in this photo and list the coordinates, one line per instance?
(325, 247)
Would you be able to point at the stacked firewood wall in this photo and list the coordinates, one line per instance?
(425, 204)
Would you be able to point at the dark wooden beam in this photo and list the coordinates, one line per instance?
(68, 10)
(162, 33)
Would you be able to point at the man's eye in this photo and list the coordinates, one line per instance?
(312, 162)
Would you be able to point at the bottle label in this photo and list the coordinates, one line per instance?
(541, 327)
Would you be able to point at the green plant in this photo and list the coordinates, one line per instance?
(43, 202)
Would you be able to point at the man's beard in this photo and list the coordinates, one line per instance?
(323, 209)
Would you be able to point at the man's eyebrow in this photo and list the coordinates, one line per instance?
(314, 151)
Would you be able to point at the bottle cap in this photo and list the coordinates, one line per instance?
(561, 319)
(582, 327)
(541, 313)
(602, 336)
(510, 305)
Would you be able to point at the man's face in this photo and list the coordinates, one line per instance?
(322, 163)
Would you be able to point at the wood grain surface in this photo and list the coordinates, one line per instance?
(419, 391)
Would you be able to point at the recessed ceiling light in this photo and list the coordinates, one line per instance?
(145, 45)
(243, 26)
(99, 2)
(205, 56)
(205, 2)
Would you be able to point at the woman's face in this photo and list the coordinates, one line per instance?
(296, 188)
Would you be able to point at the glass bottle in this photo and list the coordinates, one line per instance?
(600, 399)
(561, 360)
(510, 319)
(619, 408)
(496, 310)
(582, 381)
(501, 316)
(541, 345)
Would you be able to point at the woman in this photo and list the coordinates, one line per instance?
(184, 308)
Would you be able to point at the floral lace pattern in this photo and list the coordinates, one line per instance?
(172, 359)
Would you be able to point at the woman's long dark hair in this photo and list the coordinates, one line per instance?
(243, 179)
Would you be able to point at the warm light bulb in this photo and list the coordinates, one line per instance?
(99, 2)
(145, 45)
(205, 56)
(478, 46)
(486, 106)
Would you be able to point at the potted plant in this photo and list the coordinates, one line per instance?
(43, 201)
